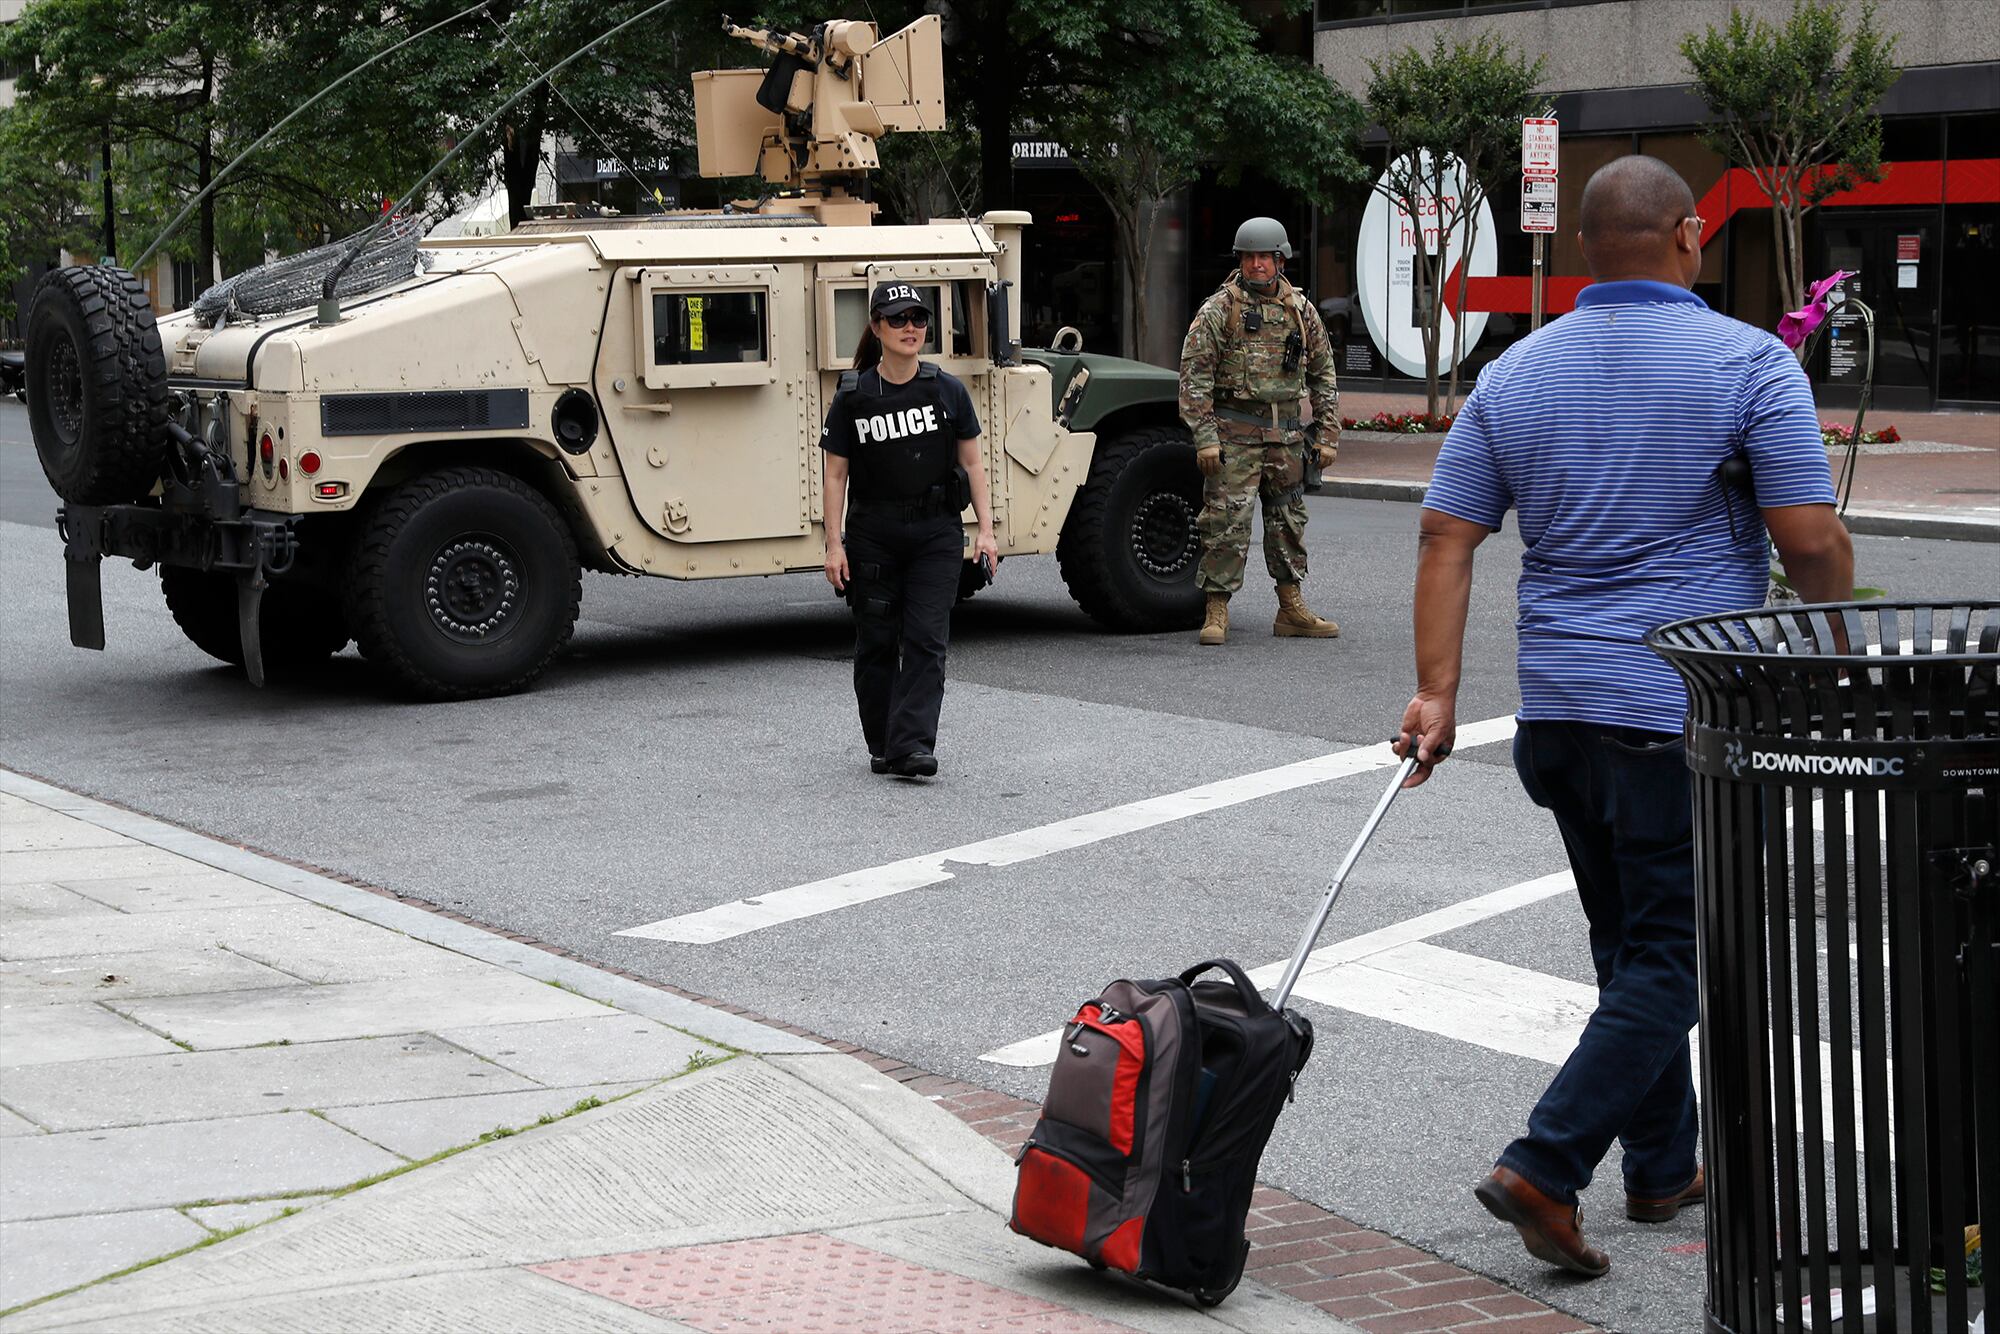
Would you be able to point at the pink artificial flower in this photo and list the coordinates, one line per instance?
(1798, 325)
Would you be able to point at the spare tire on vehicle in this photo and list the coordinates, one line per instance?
(97, 385)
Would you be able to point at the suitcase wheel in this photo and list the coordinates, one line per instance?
(1216, 1296)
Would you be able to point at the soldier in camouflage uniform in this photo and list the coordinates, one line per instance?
(1255, 349)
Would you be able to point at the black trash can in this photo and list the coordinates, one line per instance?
(1846, 768)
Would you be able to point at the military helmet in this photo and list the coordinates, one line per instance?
(1263, 234)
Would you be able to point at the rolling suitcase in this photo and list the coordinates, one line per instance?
(1163, 1096)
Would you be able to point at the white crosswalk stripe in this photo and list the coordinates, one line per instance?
(1396, 976)
(1041, 1049)
(728, 920)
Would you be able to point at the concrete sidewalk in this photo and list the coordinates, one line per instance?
(320, 1109)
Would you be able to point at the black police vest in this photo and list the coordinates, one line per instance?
(904, 442)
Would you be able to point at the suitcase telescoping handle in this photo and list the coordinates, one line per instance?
(1318, 923)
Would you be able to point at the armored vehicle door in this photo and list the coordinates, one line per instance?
(959, 341)
(714, 400)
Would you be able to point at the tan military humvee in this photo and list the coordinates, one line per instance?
(427, 467)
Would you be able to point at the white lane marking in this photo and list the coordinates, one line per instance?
(1041, 1049)
(728, 920)
(1470, 999)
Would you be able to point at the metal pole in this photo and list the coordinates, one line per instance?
(1541, 251)
(1318, 923)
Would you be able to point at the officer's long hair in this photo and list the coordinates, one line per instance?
(868, 351)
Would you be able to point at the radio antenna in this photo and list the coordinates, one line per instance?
(296, 112)
(329, 305)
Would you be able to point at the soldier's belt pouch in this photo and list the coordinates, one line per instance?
(964, 486)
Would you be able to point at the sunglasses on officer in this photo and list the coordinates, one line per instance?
(903, 319)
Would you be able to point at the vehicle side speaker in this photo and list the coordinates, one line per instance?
(576, 421)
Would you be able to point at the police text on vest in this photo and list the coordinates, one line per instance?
(897, 425)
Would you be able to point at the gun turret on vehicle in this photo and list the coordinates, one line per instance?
(428, 466)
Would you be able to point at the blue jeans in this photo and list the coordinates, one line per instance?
(1622, 799)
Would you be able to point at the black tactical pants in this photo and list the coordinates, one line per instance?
(904, 583)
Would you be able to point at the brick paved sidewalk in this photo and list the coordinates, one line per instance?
(1370, 1279)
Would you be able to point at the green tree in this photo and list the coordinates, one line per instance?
(1488, 88)
(145, 75)
(43, 209)
(1795, 103)
(1450, 114)
(181, 88)
(1165, 88)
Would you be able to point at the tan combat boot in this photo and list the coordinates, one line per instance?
(1215, 628)
(1296, 620)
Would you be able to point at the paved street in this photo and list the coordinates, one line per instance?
(1108, 806)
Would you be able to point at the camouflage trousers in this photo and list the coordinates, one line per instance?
(1252, 470)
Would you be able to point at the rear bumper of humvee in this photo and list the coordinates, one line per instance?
(203, 527)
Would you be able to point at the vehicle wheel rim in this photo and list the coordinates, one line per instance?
(473, 589)
(1164, 537)
(65, 391)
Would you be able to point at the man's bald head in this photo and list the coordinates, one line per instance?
(1631, 223)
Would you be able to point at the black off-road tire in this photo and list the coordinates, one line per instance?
(97, 385)
(1130, 546)
(465, 582)
(301, 625)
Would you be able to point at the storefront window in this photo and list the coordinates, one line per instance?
(1968, 328)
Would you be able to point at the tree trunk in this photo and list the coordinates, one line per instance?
(1429, 280)
(521, 157)
(1138, 253)
(1471, 227)
(999, 95)
(1783, 267)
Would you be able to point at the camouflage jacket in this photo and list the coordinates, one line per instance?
(1223, 360)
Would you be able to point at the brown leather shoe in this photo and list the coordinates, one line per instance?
(1551, 1231)
(1662, 1211)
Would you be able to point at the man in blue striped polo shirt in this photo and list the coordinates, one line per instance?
(1607, 433)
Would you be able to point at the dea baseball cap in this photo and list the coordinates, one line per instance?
(893, 298)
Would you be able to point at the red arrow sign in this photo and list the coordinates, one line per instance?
(1967, 181)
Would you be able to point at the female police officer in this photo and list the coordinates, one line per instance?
(901, 444)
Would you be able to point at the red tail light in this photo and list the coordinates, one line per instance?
(309, 462)
(265, 449)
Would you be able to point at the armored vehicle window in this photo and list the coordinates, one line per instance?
(850, 317)
(699, 329)
(967, 298)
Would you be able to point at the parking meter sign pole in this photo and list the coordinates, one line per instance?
(1540, 164)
